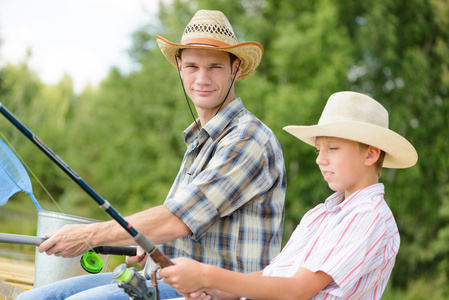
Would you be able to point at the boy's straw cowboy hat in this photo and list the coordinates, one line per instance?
(357, 117)
(210, 29)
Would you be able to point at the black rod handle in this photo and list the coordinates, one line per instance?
(116, 250)
(28, 240)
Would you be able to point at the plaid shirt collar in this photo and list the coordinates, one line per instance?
(214, 128)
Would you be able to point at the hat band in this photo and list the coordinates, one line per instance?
(205, 42)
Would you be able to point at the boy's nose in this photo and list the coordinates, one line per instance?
(321, 158)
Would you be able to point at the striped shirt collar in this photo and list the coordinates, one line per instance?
(337, 200)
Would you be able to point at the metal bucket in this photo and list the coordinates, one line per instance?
(50, 268)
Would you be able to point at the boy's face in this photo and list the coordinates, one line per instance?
(344, 165)
(207, 75)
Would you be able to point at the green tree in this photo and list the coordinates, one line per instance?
(401, 58)
(124, 137)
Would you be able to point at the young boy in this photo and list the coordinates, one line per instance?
(344, 248)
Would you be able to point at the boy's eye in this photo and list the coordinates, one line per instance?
(317, 151)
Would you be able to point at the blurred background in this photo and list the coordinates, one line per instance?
(115, 114)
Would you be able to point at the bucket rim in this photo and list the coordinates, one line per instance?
(63, 216)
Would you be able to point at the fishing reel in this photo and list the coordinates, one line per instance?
(93, 263)
(134, 283)
(129, 279)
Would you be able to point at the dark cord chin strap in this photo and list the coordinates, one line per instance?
(229, 90)
(185, 94)
(187, 99)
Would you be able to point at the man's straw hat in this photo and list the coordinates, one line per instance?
(210, 29)
(360, 118)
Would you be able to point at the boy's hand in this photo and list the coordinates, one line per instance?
(208, 294)
(185, 276)
(199, 295)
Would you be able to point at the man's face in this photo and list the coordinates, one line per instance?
(207, 75)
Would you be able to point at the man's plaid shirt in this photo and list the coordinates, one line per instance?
(230, 192)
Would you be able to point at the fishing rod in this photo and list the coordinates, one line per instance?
(140, 239)
(90, 261)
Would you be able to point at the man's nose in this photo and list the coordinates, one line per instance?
(203, 76)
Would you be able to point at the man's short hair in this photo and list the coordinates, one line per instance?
(231, 56)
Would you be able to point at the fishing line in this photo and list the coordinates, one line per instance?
(90, 261)
(31, 171)
(140, 239)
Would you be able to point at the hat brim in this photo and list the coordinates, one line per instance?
(249, 53)
(399, 152)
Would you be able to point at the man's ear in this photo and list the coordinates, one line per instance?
(179, 64)
(236, 64)
(372, 155)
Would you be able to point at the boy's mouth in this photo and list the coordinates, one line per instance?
(327, 175)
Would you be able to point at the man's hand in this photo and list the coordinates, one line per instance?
(69, 241)
(140, 258)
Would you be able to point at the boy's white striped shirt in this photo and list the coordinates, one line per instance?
(355, 241)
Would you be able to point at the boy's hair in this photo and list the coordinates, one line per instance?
(380, 161)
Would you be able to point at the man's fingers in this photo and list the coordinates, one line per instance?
(139, 258)
(46, 246)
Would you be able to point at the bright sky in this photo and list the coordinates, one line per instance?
(83, 38)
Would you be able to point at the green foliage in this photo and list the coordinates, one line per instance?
(405, 68)
(124, 137)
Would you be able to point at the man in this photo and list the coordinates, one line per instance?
(226, 205)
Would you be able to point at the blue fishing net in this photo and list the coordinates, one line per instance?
(13, 176)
